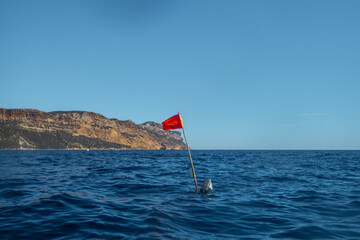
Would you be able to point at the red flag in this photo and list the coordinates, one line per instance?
(174, 122)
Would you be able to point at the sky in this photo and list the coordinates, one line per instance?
(243, 74)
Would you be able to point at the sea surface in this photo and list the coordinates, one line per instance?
(150, 195)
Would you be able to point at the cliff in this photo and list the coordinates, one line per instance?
(34, 129)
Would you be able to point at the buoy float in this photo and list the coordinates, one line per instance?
(207, 186)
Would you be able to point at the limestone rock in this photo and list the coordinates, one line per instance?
(34, 129)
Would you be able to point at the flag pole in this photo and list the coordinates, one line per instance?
(192, 165)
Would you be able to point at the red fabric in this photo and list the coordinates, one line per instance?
(174, 122)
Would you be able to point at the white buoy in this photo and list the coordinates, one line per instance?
(207, 186)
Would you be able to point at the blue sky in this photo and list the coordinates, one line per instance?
(243, 74)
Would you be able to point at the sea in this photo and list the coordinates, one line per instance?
(150, 195)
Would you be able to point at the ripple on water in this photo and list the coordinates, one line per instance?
(149, 195)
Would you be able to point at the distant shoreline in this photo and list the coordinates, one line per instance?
(250, 150)
(29, 129)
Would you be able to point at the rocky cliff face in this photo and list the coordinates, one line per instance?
(34, 129)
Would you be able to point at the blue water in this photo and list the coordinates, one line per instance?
(150, 195)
